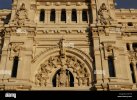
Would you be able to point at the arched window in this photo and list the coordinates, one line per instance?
(42, 15)
(84, 15)
(132, 73)
(52, 15)
(15, 66)
(74, 15)
(63, 15)
(111, 67)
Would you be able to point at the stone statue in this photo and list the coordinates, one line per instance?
(63, 78)
(104, 15)
(21, 15)
(62, 47)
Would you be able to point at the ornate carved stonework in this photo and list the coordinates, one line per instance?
(82, 74)
(104, 15)
(42, 76)
(62, 47)
(132, 55)
(21, 16)
(63, 78)
(95, 36)
(109, 49)
(15, 49)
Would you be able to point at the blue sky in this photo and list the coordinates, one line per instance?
(6, 4)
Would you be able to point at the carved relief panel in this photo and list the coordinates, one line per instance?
(15, 48)
(63, 76)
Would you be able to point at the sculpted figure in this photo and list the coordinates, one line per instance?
(63, 79)
(104, 15)
(21, 15)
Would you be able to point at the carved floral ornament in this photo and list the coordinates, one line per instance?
(66, 66)
(16, 47)
(132, 56)
(64, 69)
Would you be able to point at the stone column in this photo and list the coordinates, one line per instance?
(105, 67)
(24, 69)
(58, 15)
(68, 20)
(47, 16)
(9, 67)
(98, 61)
(117, 66)
(38, 16)
(131, 47)
(45, 19)
(79, 16)
(3, 63)
(4, 56)
(24, 66)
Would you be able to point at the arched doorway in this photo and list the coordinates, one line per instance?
(63, 78)
(76, 63)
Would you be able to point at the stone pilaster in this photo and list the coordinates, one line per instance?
(58, 16)
(79, 16)
(68, 12)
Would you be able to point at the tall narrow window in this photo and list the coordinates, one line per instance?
(134, 46)
(132, 73)
(128, 46)
(74, 15)
(15, 66)
(111, 67)
(63, 15)
(84, 15)
(52, 15)
(42, 15)
(136, 66)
